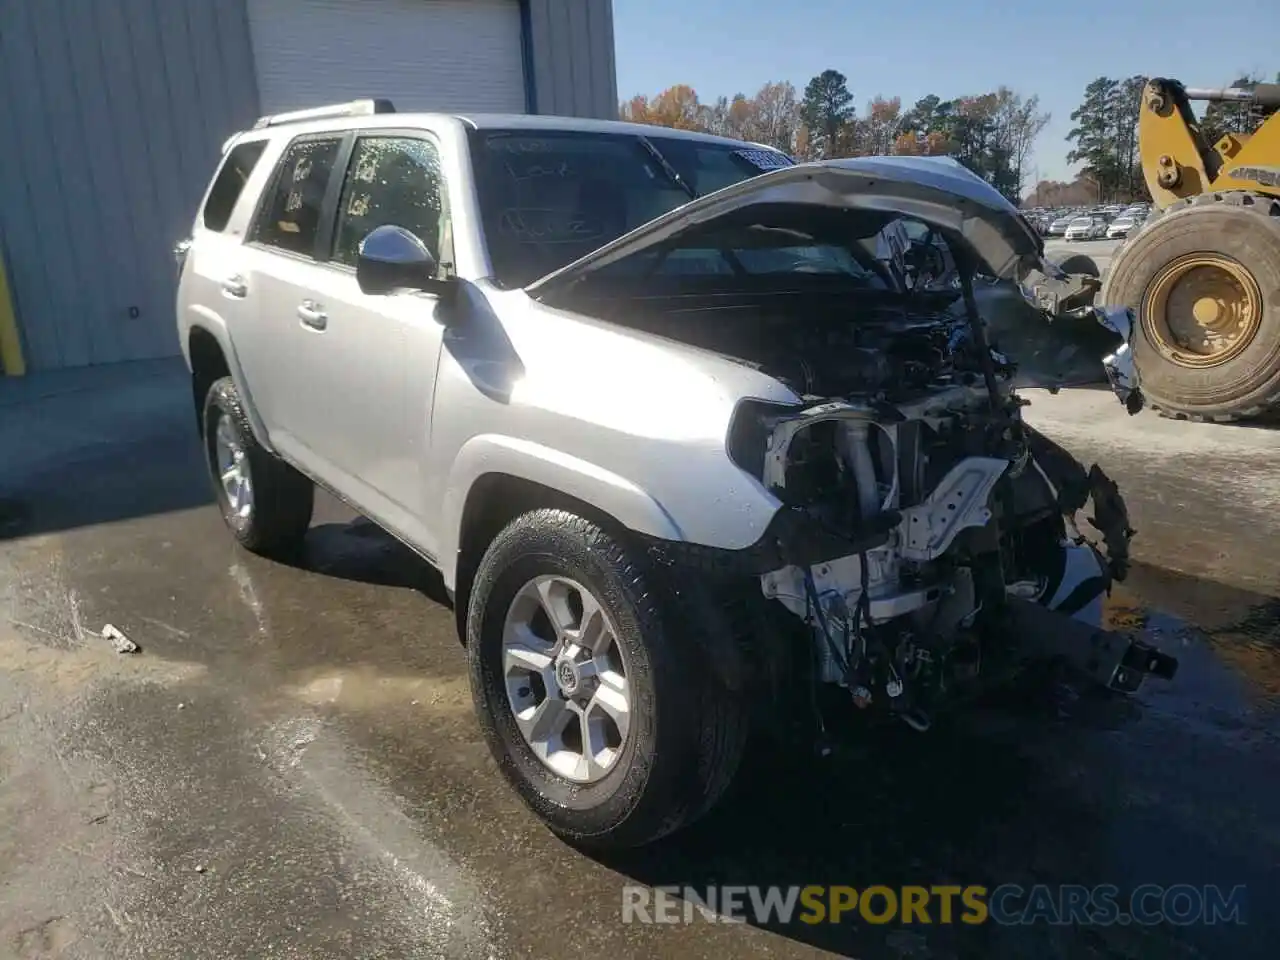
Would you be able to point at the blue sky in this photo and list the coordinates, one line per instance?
(948, 47)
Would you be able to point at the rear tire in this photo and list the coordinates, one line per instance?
(270, 511)
(1244, 229)
(686, 730)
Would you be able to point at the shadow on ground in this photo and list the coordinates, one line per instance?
(360, 551)
(97, 445)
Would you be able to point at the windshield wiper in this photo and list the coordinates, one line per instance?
(671, 172)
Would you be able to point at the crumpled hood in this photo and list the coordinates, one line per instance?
(936, 190)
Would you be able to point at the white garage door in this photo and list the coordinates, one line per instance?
(446, 55)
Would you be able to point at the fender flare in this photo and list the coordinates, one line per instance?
(212, 324)
(603, 489)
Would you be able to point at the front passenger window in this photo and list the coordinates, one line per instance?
(391, 180)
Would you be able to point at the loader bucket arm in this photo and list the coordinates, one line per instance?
(1178, 163)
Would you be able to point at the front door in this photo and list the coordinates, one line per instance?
(381, 352)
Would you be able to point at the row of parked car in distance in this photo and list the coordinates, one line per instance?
(1096, 223)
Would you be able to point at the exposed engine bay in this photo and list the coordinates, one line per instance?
(968, 520)
(894, 346)
(963, 514)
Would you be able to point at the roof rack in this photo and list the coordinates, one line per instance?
(355, 108)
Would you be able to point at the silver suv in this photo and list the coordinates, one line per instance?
(702, 441)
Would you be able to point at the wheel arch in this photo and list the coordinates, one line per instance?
(495, 479)
(210, 357)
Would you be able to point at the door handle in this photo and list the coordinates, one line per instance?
(235, 287)
(311, 315)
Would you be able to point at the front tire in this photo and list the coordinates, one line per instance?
(266, 503)
(595, 700)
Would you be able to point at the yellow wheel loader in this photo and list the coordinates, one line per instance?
(1202, 276)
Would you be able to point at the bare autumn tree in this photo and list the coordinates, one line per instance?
(1018, 123)
(936, 144)
(907, 144)
(777, 115)
(717, 118)
(677, 107)
(742, 120)
(879, 130)
(636, 109)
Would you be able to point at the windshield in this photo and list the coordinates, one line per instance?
(548, 198)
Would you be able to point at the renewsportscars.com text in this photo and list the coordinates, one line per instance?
(1007, 905)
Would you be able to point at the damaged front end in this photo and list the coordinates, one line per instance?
(963, 553)
(926, 536)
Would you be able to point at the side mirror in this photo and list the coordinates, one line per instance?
(393, 258)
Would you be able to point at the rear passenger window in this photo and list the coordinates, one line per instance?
(229, 184)
(291, 218)
(392, 180)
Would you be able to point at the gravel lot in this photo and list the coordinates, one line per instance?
(1102, 251)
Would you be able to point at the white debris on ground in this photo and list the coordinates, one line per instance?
(119, 642)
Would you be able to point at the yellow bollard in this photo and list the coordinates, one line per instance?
(11, 363)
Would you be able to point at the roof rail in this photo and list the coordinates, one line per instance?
(355, 108)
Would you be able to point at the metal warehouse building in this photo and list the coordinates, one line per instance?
(112, 113)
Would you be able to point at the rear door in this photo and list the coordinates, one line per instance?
(280, 342)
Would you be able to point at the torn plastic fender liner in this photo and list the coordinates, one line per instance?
(1074, 486)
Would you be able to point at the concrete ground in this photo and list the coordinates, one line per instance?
(289, 768)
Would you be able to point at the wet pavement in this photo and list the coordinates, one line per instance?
(289, 767)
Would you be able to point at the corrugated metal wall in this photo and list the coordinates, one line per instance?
(574, 72)
(464, 55)
(111, 116)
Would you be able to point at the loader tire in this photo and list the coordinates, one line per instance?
(1230, 242)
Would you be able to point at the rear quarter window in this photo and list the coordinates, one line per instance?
(229, 184)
